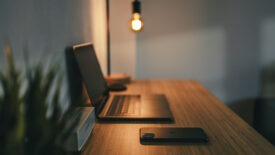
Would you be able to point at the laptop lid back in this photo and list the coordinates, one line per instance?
(91, 72)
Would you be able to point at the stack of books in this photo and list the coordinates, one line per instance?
(83, 119)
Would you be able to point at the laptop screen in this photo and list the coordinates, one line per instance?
(90, 70)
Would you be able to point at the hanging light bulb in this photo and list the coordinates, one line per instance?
(136, 23)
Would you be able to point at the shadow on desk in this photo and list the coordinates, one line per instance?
(259, 113)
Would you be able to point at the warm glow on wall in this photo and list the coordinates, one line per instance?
(136, 23)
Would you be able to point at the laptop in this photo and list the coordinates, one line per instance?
(117, 106)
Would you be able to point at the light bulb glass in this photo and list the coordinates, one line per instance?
(136, 23)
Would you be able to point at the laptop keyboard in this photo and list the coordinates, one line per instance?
(125, 105)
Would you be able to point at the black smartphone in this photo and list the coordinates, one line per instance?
(184, 135)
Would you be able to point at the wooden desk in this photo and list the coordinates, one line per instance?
(192, 106)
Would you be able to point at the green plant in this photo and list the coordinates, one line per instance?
(35, 99)
(11, 109)
(25, 127)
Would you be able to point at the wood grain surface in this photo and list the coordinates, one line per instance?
(192, 105)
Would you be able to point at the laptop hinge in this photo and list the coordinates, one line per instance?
(100, 103)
